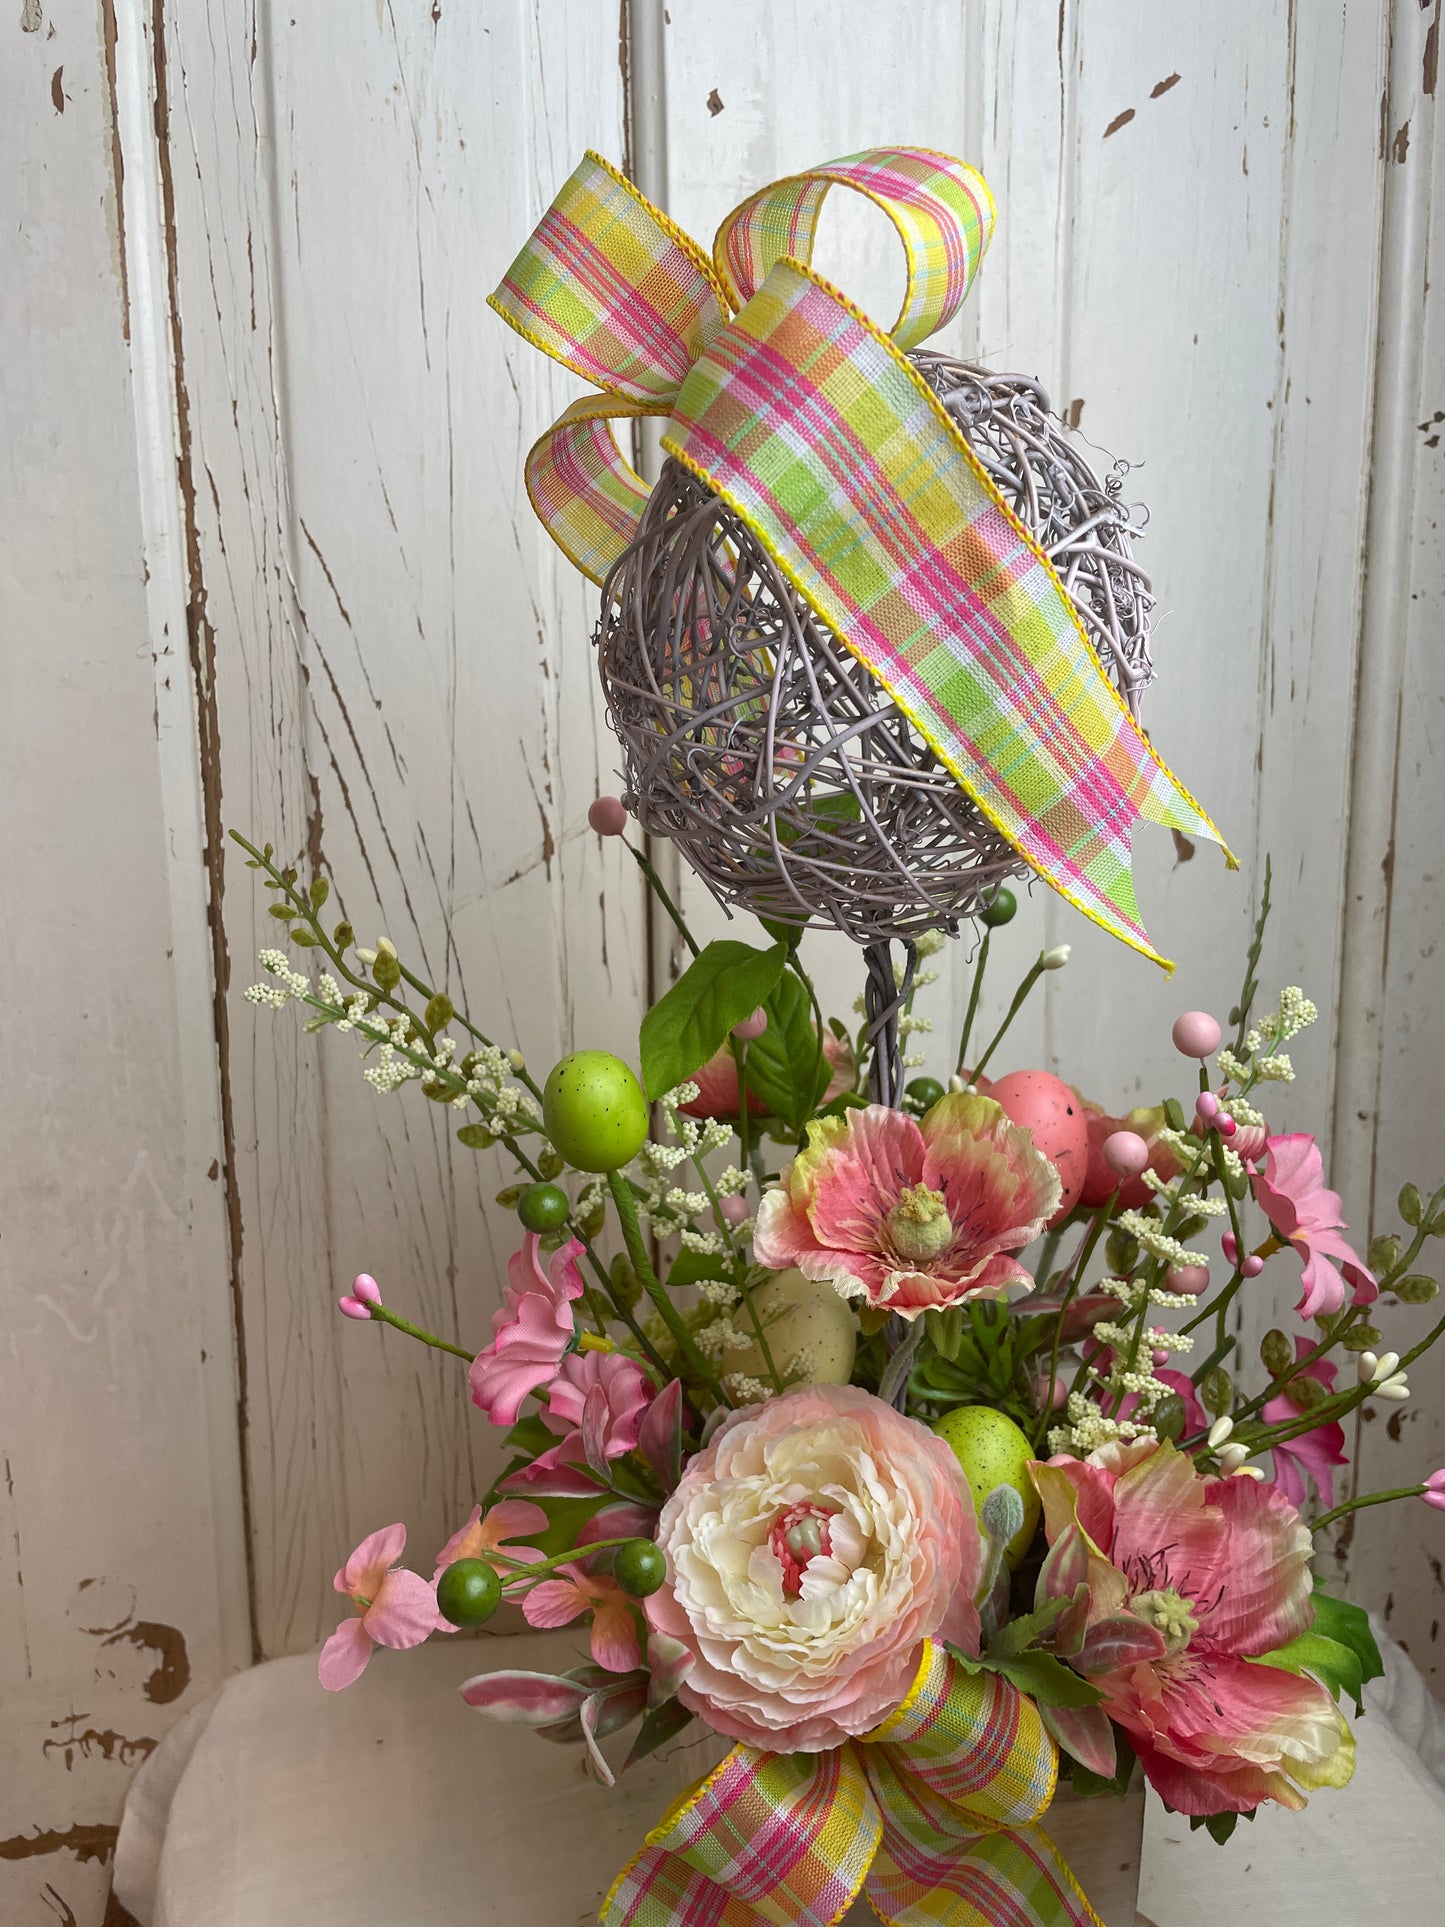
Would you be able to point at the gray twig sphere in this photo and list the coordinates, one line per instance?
(782, 769)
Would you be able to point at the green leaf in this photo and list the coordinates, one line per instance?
(659, 1725)
(789, 933)
(1091, 1785)
(303, 939)
(476, 1137)
(691, 1267)
(530, 1435)
(320, 891)
(824, 810)
(386, 971)
(718, 989)
(1021, 1632)
(1349, 1624)
(1334, 1665)
(343, 936)
(439, 1012)
(282, 912)
(1046, 1679)
(1218, 1826)
(786, 1068)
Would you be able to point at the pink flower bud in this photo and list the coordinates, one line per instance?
(1206, 1107)
(734, 1210)
(607, 816)
(1225, 1124)
(751, 1027)
(1196, 1034)
(1160, 1355)
(353, 1307)
(1126, 1153)
(1229, 1245)
(1187, 1280)
(1252, 1266)
(1050, 1400)
(1434, 1493)
(367, 1289)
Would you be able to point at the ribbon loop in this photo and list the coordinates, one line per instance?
(586, 493)
(941, 207)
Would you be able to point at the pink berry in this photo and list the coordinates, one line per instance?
(1251, 1266)
(1206, 1107)
(751, 1027)
(367, 1289)
(1052, 1399)
(1159, 1355)
(1225, 1125)
(734, 1210)
(1187, 1280)
(353, 1307)
(607, 816)
(1229, 1245)
(1196, 1034)
(1126, 1153)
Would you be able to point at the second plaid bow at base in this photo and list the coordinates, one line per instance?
(811, 423)
(932, 1818)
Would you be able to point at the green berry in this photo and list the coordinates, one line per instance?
(468, 1592)
(999, 907)
(594, 1111)
(543, 1207)
(925, 1092)
(640, 1567)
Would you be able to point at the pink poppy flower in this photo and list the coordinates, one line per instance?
(911, 1215)
(1316, 1453)
(1192, 1580)
(397, 1609)
(1292, 1193)
(812, 1546)
(480, 1537)
(717, 1081)
(531, 1329)
(571, 1592)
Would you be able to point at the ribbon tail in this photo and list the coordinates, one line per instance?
(765, 1840)
(845, 465)
(1017, 1876)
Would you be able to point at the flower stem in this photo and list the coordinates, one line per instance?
(1373, 1498)
(534, 1568)
(384, 1316)
(1031, 977)
(895, 1372)
(973, 996)
(626, 1205)
(740, 1059)
(659, 890)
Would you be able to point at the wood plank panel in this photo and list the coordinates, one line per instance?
(122, 1573)
(404, 689)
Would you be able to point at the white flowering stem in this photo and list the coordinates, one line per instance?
(626, 1205)
(383, 1315)
(1071, 1278)
(739, 1273)
(1372, 1498)
(1031, 977)
(973, 996)
(656, 885)
(900, 1363)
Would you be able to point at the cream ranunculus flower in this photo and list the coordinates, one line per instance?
(812, 1547)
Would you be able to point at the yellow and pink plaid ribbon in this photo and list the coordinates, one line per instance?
(933, 1818)
(813, 425)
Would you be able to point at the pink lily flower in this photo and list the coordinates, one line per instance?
(1192, 1581)
(906, 1215)
(1316, 1453)
(531, 1329)
(1293, 1195)
(397, 1608)
(571, 1592)
(481, 1536)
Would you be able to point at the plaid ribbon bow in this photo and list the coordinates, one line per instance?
(812, 424)
(932, 1817)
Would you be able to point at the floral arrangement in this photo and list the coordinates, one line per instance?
(873, 1402)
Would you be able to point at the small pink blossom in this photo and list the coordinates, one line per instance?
(1316, 1453)
(571, 1592)
(481, 1536)
(365, 1293)
(531, 1329)
(626, 1392)
(1434, 1493)
(911, 1216)
(1292, 1193)
(397, 1608)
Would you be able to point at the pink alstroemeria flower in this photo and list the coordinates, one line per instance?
(481, 1536)
(625, 1392)
(398, 1609)
(559, 1600)
(1191, 1582)
(1293, 1195)
(531, 1329)
(1316, 1453)
(911, 1215)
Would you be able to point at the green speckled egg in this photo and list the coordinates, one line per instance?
(993, 1451)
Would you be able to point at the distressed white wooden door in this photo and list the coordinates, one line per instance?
(269, 565)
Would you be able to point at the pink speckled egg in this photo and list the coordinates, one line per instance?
(1054, 1116)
